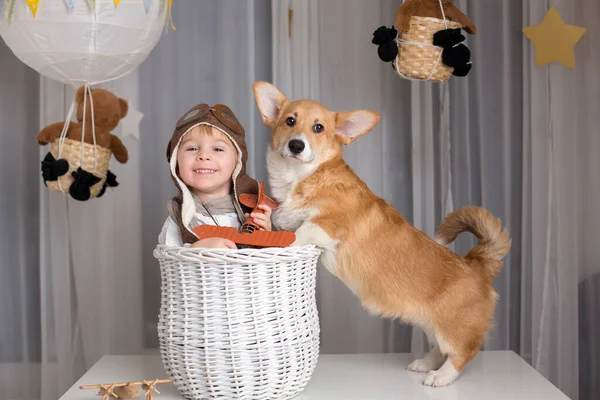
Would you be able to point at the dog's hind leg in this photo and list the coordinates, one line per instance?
(459, 353)
(433, 360)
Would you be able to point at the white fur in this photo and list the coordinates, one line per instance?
(441, 241)
(309, 233)
(432, 361)
(269, 97)
(443, 376)
(446, 374)
(307, 154)
(445, 347)
(284, 175)
(357, 124)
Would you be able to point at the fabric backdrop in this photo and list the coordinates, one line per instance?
(79, 280)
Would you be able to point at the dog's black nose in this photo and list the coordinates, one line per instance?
(296, 146)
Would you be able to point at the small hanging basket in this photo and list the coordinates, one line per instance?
(418, 58)
(96, 162)
(76, 167)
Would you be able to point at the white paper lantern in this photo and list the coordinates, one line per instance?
(82, 46)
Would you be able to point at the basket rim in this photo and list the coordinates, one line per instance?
(77, 143)
(218, 256)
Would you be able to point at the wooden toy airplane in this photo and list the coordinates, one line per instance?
(249, 234)
(127, 390)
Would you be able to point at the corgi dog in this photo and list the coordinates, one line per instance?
(396, 270)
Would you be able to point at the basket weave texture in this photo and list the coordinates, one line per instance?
(417, 61)
(238, 324)
(71, 151)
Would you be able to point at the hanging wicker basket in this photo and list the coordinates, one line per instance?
(417, 57)
(71, 151)
(238, 324)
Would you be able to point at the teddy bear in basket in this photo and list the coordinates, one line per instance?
(455, 54)
(83, 172)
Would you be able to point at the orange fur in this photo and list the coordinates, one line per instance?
(396, 270)
(431, 9)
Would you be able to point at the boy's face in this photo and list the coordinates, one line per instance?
(206, 163)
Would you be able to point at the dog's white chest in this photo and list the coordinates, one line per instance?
(283, 179)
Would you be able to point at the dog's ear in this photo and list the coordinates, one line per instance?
(353, 124)
(270, 102)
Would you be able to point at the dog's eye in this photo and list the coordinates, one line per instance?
(290, 121)
(318, 128)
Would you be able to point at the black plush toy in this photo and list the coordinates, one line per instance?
(454, 54)
(80, 188)
(385, 37)
(111, 181)
(53, 168)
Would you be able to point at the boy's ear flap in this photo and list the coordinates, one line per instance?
(350, 125)
(169, 151)
(270, 102)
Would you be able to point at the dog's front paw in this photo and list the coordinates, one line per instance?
(442, 377)
(422, 365)
(303, 235)
(301, 240)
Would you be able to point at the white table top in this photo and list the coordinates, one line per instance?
(492, 375)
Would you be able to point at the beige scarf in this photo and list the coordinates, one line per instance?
(209, 208)
(220, 205)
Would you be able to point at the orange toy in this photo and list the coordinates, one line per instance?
(249, 233)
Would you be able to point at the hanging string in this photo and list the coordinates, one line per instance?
(89, 90)
(84, 121)
(65, 129)
(443, 14)
(63, 136)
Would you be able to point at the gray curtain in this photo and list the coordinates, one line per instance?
(20, 346)
(519, 140)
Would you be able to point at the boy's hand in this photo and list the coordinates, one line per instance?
(214, 243)
(262, 219)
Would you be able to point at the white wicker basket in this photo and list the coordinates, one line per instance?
(239, 324)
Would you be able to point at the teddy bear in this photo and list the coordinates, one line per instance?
(431, 9)
(109, 109)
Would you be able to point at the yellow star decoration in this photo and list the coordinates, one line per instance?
(554, 40)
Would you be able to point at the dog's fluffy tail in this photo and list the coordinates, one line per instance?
(494, 241)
